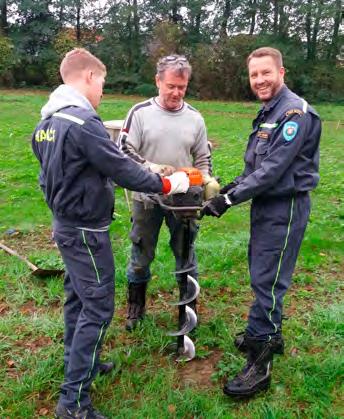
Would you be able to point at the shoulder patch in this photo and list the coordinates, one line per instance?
(290, 129)
(293, 112)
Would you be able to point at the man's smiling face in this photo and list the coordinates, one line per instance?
(266, 78)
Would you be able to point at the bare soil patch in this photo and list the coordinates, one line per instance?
(4, 308)
(28, 308)
(35, 344)
(25, 243)
(198, 372)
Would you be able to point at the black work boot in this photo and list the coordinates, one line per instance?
(277, 343)
(105, 367)
(256, 375)
(136, 304)
(87, 412)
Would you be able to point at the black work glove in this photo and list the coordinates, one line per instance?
(228, 187)
(216, 206)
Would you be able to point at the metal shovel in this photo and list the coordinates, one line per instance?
(36, 271)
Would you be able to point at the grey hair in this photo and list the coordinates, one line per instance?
(179, 64)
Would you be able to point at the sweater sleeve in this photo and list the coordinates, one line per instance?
(129, 139)
(201, 150)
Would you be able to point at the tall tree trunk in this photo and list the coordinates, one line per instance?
(78, 20)
(136, 36)
(61, 14)
(283, 20)
(130, 38)
(337, 19)
(276, 14)
(175, 17)
(316, 28)
(225, 17)
(197, 26)
(253, 14)
(309, 29)
(3, 17)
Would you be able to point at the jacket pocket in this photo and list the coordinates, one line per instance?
(63, 239)
(260, 153)
(261, 147)
(92, 239)
(99, 301)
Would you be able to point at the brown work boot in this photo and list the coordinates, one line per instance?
(136, 304)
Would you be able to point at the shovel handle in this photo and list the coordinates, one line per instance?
(14, 253)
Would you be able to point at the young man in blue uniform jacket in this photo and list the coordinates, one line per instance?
(281, 168)
(79, 163)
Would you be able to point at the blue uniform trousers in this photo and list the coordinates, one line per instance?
(146, 224)
(88, 309)
(278, 225)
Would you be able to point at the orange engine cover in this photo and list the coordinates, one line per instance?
(195, 175)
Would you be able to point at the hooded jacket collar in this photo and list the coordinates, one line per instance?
(62, 97)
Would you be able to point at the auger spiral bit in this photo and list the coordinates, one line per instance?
(189, 291)
(187, 352)
(187, 208)
(189, 324)
(192, 291)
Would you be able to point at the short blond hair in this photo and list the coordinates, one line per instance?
(77, 60)
(274, 53)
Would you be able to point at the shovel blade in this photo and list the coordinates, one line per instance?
(47, 272)
(193, 290)
(190, 323)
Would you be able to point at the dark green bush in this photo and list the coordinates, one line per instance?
(125, 83)
(146, 89)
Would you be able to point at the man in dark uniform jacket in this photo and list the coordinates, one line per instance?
(78, 164)
(281, 168)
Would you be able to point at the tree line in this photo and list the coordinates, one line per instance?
(216, 35)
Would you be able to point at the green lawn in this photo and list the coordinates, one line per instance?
(147, 383)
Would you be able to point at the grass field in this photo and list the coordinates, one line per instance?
(147, 383)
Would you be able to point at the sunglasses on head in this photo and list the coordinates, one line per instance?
(171, 58)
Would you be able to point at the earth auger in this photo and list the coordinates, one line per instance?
(186, 207)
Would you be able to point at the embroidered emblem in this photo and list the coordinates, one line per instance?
(293, 112)
(290, 129)
(263, 135)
